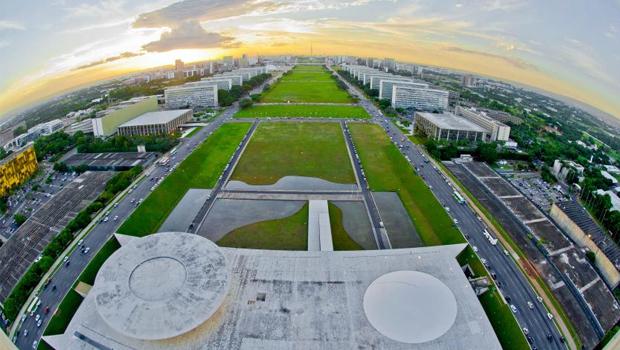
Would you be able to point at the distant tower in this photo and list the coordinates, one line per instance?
(310, 49)
(179, 65)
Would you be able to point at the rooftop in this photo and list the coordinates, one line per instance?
(415, 298)
(160, 117)
(451, 121)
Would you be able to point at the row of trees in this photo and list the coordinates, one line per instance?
(227, 98)
(57, 144)
(58, 244)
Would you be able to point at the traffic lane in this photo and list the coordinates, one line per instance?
(539, 326)
(64, 278)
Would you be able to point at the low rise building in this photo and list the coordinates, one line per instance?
(196, 96)
(615, 200)
(107, 122)
(156, 123)
(609, 177)
(561, 168)
(447, 126)
(16, 168)
(420, 99)
(497, 131)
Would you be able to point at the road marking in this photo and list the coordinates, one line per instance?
(533, 221)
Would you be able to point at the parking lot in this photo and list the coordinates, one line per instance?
(537, 190)
(27, 200)
(29, 240)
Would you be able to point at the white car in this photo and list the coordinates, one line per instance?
(39, 323)
(530, 305)
(475, 249)
(37, 318)
(513, 308)
(549, 316)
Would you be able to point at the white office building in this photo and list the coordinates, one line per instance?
(222, 83)
(447, 126)
(386, 87)
(497, 131)
(191, 96)
(420, 99)
(237, 79)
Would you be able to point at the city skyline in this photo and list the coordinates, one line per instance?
(74, 44)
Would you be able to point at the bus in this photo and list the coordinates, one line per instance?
(458, 197)
(173, 151)
(164, 160)
(33, 306)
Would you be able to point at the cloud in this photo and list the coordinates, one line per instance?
(111, 59)
(11, 25)
(3, 44)
(210, 10)
(188, 35)
(515, 62)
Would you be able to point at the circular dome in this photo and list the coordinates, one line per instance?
(410, 306)
(161, 286)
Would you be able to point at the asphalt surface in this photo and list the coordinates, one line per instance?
(512, 283)
(64, 277)
(371, 206)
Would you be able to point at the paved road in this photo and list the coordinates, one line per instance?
(513, 284)
(64, 278)
(371, 206)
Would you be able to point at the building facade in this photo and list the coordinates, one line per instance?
(386, 87)
(156, 123)
(16, 168)
(447, 126)
(498, 131)
(222, 83)
(198, 96)
(106, 123)
(420, 99)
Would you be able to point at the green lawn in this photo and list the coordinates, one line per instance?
(307, 84)
(505, 325)
(67, 308)
(289, 233)
(200, 169)
(387, 170)
(306, 111)
(340, 237)
(303, 149)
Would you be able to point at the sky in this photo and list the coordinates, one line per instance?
(568, 47)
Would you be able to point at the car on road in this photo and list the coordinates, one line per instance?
(34, 344)
(513, 308)
(25, 332)
(526, 331)
(530, 305)
(38, 317)
(475, 249)
(549, 316)
(39, 323)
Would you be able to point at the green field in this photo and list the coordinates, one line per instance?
(307, 84)
(505, 325)
(200, 169)
(302, 149)
(303, 111)
(387, 170)
(289, 233)
(340, 237)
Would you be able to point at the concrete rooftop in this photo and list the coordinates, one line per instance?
(311, 300)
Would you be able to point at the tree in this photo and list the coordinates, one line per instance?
(61, 167)
(19, 219)
(487, 152)
(245, 103)
(19, 130)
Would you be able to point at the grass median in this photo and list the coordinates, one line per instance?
(303, 111)
(307, 84)
(388, 171)
(295, 149)
(200, 169)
